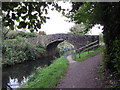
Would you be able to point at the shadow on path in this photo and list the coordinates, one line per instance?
(82, 74)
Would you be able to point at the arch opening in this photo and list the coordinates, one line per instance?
(65, 48)
(58, 48)
(51, 49)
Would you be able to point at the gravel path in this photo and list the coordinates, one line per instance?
(82, 74)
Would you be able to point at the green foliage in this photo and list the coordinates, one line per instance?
(86, 13)
(78, 29)
(101, 38)
(116, 48)
(48, 77)
(24, 10)
(28, 14)
(115, 55)
(64, 48)
(5, 32)
(13, 35)
(19, 49)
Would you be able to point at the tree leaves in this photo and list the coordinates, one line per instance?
(78, 29)
(38, 25)
(87, 13)
(23, 12)
(22, 24)
(17, 19)
(12, 27)
(13, 16)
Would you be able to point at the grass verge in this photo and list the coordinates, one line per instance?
(86, 55)
(48, 77)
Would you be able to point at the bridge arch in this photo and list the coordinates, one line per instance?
(52, 47)
(50, 42)
(65, 48)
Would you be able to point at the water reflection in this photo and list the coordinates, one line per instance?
(14, 83)
(15, 76)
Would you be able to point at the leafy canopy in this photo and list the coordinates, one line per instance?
(28, 14)
(78, 29)
(86, 13)
(91, 13)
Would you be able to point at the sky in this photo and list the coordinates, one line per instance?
(57, 23)
(95, 30)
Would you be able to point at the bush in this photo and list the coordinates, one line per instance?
(116, 55)
(19, 49)
(112, 59)
(13, 35)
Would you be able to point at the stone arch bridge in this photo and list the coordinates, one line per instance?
(50, 42)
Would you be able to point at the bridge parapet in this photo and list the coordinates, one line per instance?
(75, 39)
(50, 42)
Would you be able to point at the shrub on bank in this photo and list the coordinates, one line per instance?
(112, 59)
(19, 50)
(13, 35)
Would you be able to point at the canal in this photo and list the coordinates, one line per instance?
(16, 75)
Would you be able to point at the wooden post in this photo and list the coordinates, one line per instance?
(79, 55)
(75, 54)
(88, 51)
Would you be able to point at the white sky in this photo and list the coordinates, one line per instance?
(95, 30)
(57, 23)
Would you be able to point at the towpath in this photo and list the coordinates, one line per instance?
(82, 74)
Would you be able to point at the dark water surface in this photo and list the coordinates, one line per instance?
(16, 75)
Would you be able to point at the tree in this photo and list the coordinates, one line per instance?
(106, 14)
(28, 14)
(5, 32)
(78, 29)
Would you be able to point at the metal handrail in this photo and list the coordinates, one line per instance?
(88, 47)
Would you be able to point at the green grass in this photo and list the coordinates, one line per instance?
(86, 55)
(48, 77)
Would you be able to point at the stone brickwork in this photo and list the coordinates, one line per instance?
(75, 39)
(50, 42)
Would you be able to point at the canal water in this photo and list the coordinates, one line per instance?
(16, 75)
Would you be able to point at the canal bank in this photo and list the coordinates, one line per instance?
(16, 75)
(48, 77)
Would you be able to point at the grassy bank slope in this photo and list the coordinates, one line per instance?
(86, 55)
(48, 77)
